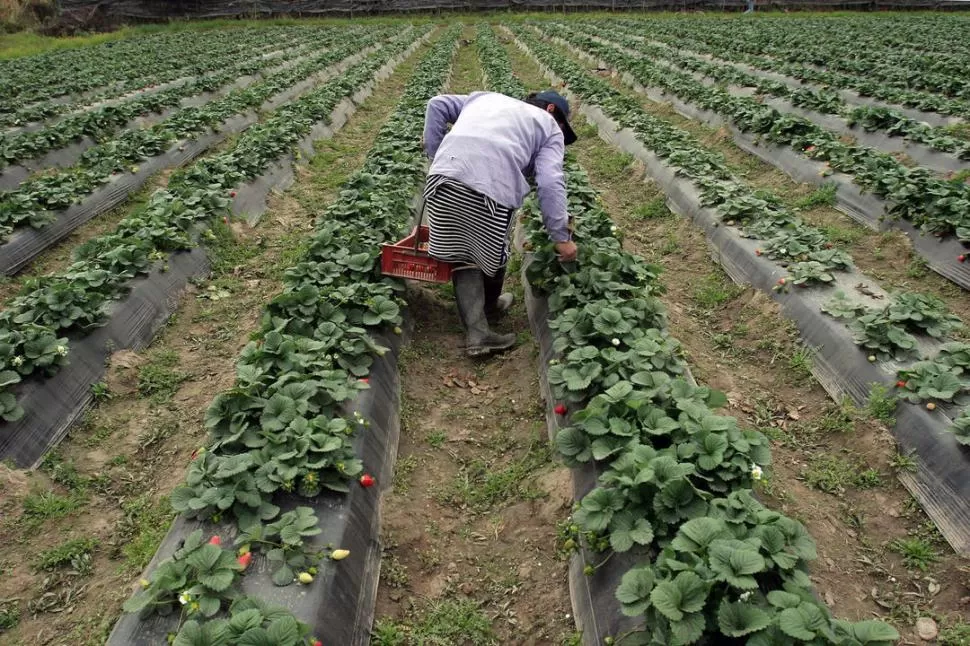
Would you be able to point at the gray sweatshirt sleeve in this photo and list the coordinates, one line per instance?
(442, 110)
(551, 186)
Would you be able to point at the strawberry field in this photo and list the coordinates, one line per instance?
(743, 417)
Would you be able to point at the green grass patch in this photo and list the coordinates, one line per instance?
(833, 474)
(158, 379)
(74, 553)
(403, 472)
(142, 529)
(46, 505)
(882, 404)
(822, 196)
(800, 363)
(441, 623)
(843, 236)
(482, 484)
(715, 290)
(655, 209)
(917, 553)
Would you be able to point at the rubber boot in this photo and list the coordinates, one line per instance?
(496, 303)
(470, 296)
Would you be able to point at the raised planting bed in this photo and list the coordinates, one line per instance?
(313, 411)
(48, 407)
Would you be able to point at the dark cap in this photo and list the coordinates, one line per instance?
(562, 105)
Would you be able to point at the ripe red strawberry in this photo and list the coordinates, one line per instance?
(232, 194)
(245, 559)
(366, 380)
(215, 540)
(367, 480)
(962, 257)
(781, 281)
(560, 409)
(757, 252)
(900, 384)
(318, 643)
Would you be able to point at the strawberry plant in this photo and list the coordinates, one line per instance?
(675, 476)
(197, 580)
(250, 621)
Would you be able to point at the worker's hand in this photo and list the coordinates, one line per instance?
(567, 251)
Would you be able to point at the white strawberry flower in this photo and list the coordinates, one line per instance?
(615, 341)
(745, 596)
(17, 361)
(61, 350)
(185, 597)
(756, 472)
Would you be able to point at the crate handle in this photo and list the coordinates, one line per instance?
(417, 227)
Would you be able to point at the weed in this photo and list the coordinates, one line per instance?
(868, 479)
(903, 462)
(843, 236)
(833, 475)
(393, 572)
(436, 439)
(952, 634)
(64, 473)
(158, 379)
(402, 473)
(801, 362)
(824, 195)
(387, 633)
(75, 553)
(142, 529)
(481, 485)
(100, 392)
(671, 246)
(448, 622)
(655, 209)
(715, 290)
(836, 420)
(42, 506)
(916, 552)
(882, 404)
(917, 267)
(9, 614)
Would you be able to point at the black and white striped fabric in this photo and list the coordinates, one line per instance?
(466, 226)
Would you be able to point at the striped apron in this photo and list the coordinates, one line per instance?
(466, 227)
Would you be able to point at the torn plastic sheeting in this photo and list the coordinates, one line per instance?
(251, 200)
(53, 404)
(866, 208)
(340, 604)
(26, 243)
(942, 488)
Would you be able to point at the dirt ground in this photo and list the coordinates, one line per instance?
(470, 524)
(477, 496)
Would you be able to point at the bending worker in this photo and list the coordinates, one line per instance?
(479, 176)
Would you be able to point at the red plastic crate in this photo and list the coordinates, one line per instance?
(409, 259)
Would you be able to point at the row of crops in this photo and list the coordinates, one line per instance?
(908, 340)
(674, 477)
(57, 311)
(277, 532)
